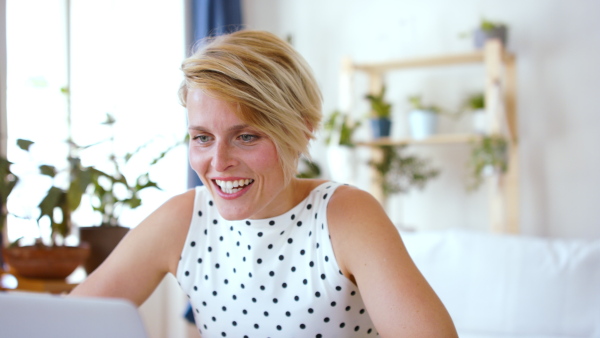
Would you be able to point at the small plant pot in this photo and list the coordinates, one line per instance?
(46, 262)
(423, 123)
(102, 240)
(342, 164)
(480, 121)
(480, 36)
(381, 127)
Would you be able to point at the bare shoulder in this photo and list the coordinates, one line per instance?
(357, 223)
(168, 225)
(145, 255)
(370, 252)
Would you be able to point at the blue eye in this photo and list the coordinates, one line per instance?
(248, 137)
(202, 138)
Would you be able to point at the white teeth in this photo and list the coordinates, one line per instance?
(231, 187)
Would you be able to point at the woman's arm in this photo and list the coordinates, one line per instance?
(371, 253)
(144, 256)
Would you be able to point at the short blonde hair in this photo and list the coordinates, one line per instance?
(268, 81)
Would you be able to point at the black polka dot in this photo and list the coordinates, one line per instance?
(281, 257)
(272, 223)
(193, 244)
(302, 326)
(199, 213)
(299, 223)
(290, 240)
(293, 216)
(215, 221)
(210, 203)
(309, 206)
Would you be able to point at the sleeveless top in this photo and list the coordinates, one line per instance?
(275, 277)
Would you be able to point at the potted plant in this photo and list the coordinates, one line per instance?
(54, 259)
(398, 173)
(8, 181)
(475, 105)
(381, 112)
(111, 193)
(489, 30)
(489, 155)
(340, 128)
(423, 119)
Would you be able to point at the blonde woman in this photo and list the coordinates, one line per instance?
(259, 252)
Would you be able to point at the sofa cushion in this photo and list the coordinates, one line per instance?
(509, 285)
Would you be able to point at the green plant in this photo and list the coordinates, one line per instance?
(490, 153)
(311, 169)
(107, 201)
(340, 128)
(416, 103)
(379, 107)
(398, 173)
(113, 192)
(475, 101)
(488, 26)
(8, 181)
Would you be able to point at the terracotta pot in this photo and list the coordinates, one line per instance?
(102, 240)
(56, 262)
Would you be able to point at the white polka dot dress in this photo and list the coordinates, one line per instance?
(274, 277)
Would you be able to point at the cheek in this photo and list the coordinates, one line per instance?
(266, 161)
(197, 160)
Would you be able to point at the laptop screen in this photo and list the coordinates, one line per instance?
(24, 314)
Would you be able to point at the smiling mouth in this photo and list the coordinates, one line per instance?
(231, 187)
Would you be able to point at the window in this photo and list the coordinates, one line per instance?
(120, 58)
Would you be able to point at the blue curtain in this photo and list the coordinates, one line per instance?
(209, 18)
(212, 17)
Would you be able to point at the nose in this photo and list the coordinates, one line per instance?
(223, 157)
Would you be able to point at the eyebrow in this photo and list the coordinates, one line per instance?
(233, 128)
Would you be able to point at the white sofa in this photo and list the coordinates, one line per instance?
(497, 285)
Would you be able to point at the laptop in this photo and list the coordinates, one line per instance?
(26, 315)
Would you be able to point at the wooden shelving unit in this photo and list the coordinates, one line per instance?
(500, 83)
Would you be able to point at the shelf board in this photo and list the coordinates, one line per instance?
(428, 61)
(440, 139)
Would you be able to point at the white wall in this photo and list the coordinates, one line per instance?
(557, 45)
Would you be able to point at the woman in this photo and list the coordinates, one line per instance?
(258, 251)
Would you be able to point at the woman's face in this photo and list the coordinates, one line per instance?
(238, 163)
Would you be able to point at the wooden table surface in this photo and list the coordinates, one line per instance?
(10, 281)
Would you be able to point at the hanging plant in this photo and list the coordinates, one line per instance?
(489, 155)
(398, 173)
